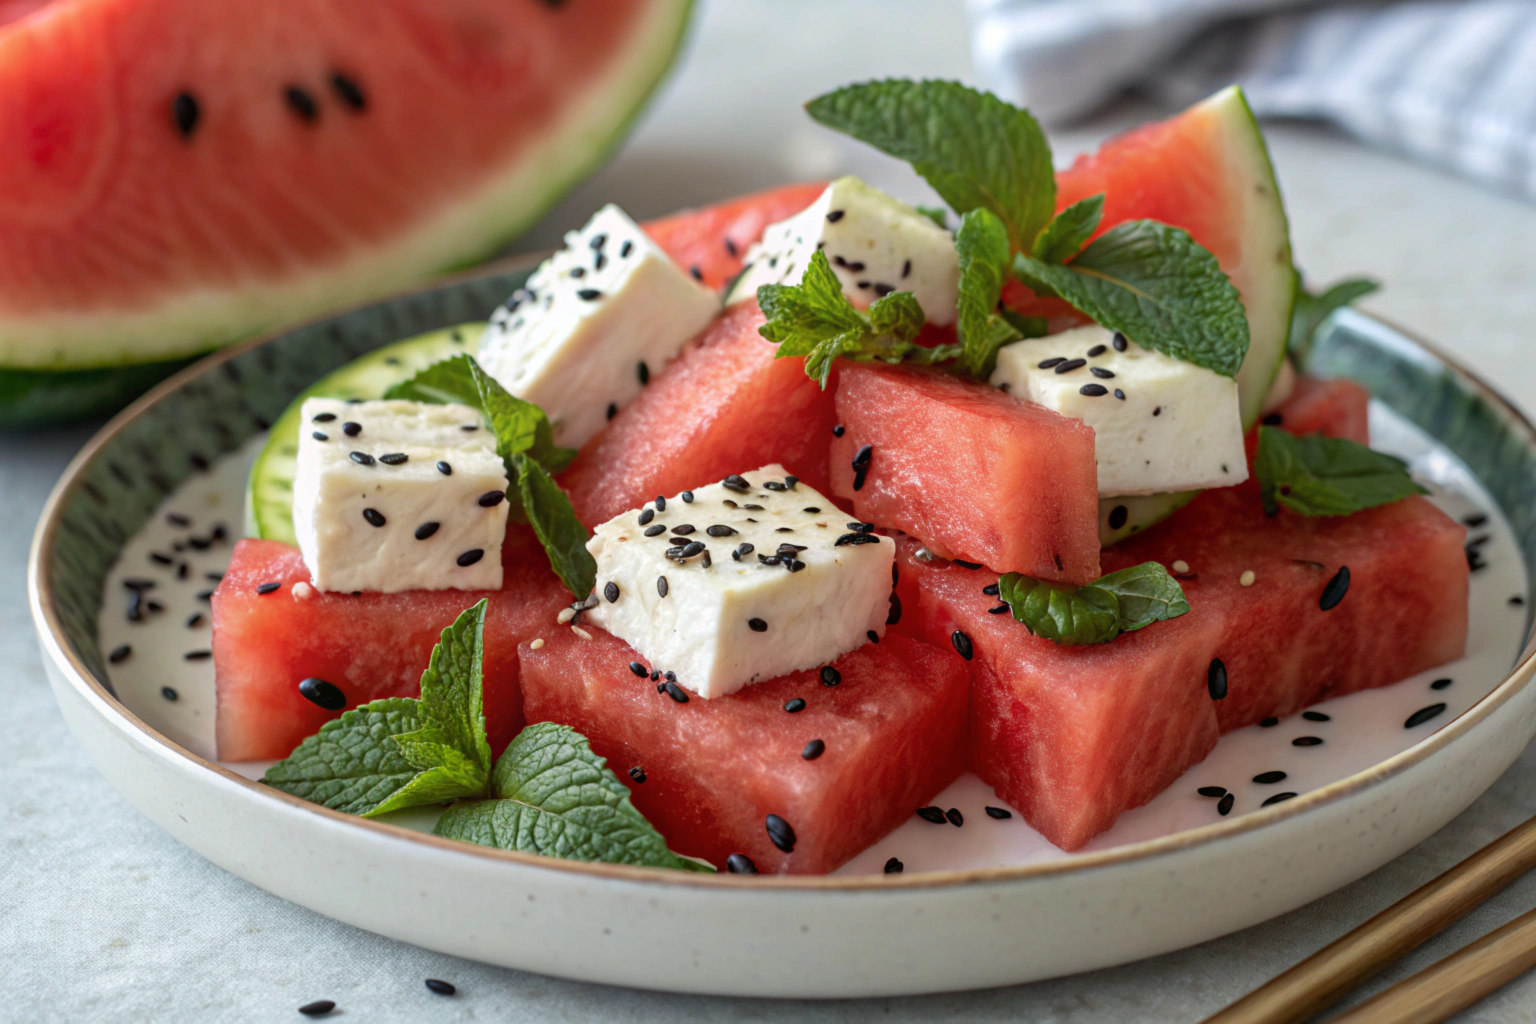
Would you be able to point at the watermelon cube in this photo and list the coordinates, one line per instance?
(708, 774)
(369, 645)
(725, 405)
(1337, 408)
(972, 472)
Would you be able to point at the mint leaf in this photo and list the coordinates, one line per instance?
(1060, 240)
(1327, 476)
(448, 747)
(982, 243)
(1027, 326)
(1097, 612)
(1157, 286)
(554, 522)
(937, 214)
(1309, 310)
(553, 796)
(351, 765)
(977, 151)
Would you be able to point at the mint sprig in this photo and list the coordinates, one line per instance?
(1097, 612)
(525, 442)
(814, 319)
(1060, 240)
(1327, 476)
(1310, 310)
(552, 795)
(352, 764)
(982, 243)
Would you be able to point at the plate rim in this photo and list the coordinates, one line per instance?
(40, 593)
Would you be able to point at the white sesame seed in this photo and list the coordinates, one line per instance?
(303, 591)
(536, 644)
(566, 615)
(1247, 578)
(581, 632)
(1180, 566)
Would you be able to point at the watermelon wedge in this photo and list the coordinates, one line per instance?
(707, 773)
(176, 174)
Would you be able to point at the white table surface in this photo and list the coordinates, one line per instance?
(104, 917)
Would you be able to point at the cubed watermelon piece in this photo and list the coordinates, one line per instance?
(726, 405)
(713, 239)
(972, 472)
(368, 645)
(892, 731)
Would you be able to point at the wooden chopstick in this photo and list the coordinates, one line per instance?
(1320, 980)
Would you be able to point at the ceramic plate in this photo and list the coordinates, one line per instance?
(989, 903)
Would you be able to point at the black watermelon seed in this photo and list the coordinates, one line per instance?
(1316, 716)
(490, 499)
(1440, 684)
(197, 656)
(643, 372)
(837, 431)
(794, 704)
(932, 814)
(318, 1008)
(894, 866)
(954, 817)
(1212, 791)
(1093, 390)
(470, 557)
(1118, 516)
(1000, 813)
(169, 693)
(426, 530)
(611, 591)
(394, 459)
(185, 113)
(353, 96)
(301, 103)
(782, 834)
(327, 695)
(757, 625)
(445, 469)
(813, 750)
(1216, 679)
(661, 586)
(895, 613)
(638, 669)
(361, 458)
(1225, 806)
(1334, 592)
(830, 676)
(1423, 715)
(374, 516)
(637, 773)
(1308, 741)
(675, 692)
(1269, 723)
(120, 654)
(962, 644)
(1278, 798)
(740, 864)
(267, 588)
(442, 988)
(1269, 778)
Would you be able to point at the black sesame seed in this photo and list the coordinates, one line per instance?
(660, 503)
(991, 589)
(470, 557)
(757, 625)
(720, 531)
(1119, 342)
(675, 692)
(730, 248)
(613, 409)
(874, 637)
(589, 294)
(1093, 390)
(1158, 411)
(854, 539)
(794, 704)
(1101, 373)
(1118, 516)
(319, 436)
(611, 591)
(781, 833)
(267, 588)
(1274, 419)
(394, 459)
(1516, 601)
(1096, 351)
(740, 863)
(646, 515)
(838, 430)
(374, 516)
(1216, 792)
(490, 499)
(696, 273)
(1278, 798)
(1316, 716)
(894, 615)
(894, 866)
(326, 695)
(655, 530)
(736, 483)
(834, 216)
(1423, 715)
(1334, 592)
(813, 750)
(1269, 778)
(999, 609)
(120, 654)
(1120, 394)
(692, 548)
(683, 529)
(204, 595)
(1000, 813)
(687, 497)
(351, 429)
(1439, 684)
(1224, 807)
(1307, 741)
(426, 530)
(318, 1008)
(169, 693)
(353, 96)
(1070, 365)
(185, 113)
(441, 988)
(670, 675)
(301, 103)
(655, 676)
(643, 372)
(1046, 364)
(445, 469)
(1269, 723)
(861, 458)
(578, 272)
(1216, 679)
(469, 428)
(638, 669)
(962, 563)
(830, 676)
(361, 458)
(954, 817)
(932, 814)
(159, 559)
(177, 519)
(962, 644)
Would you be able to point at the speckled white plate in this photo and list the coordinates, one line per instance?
(986, 904)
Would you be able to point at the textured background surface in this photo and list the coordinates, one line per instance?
(104, 917)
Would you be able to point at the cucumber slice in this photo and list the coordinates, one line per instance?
(269, 494)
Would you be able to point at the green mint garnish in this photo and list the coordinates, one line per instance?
(351, 765)
(1310, 310)
(1060, 240)
(525, 442)
(552, 795)
(814, 319)
(1327, 476)
(1157, 286)
(977, 151)
(982, 243)
(1097, 612)
(938, 214)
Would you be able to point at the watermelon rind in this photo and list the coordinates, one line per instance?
(269, 491)
(39, 355)
(1268, 285)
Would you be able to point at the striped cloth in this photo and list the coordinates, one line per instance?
(1449, 83)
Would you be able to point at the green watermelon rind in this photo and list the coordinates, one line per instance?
(269, 489)
(1266, 351)
(52, 377)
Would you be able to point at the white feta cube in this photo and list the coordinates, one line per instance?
(1160, 424)
(755, 577)
(876, 245)
(593, 323)
(392, 496)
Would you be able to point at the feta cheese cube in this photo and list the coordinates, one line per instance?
(1160, 424)
(593, 323)
(391, 496)
(876, 245)
(753, 578)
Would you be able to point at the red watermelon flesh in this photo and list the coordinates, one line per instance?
(1337, 408)
(371, 645)
(893, 731)
(714, 238)
(974, 473)
(726, 405)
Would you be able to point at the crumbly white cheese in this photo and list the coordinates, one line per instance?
(875, 244)
(593, 323)
(1160, 424)
(392, 496)
(777, 582)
